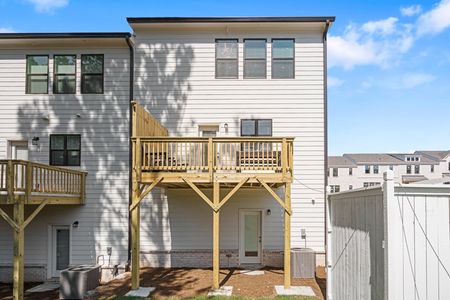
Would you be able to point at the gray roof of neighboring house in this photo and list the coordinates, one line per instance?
(340, 161)
(424, 160)
(374, 158)
(444, 180)
(441, 154)
(413, 178)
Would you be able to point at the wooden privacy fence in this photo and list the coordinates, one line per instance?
(144, 124)
(238, 154)
(19, 177)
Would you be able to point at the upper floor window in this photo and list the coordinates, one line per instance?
(335, 172)
(391, 167)
(350, 187)
(227, 58)
(449, 166)
(65, 74)
(37, 74)
(335, 188)
(367, 169)
(256, 127)
(65, 149)
(254, 58)
(92, 73)
(408, 169)
(350, 171)
(417, 169)
(432, 168)
(283, 54)
(376, 169)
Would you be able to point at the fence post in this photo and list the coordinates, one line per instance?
(390, 213)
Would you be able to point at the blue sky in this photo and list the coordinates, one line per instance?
(389, 61)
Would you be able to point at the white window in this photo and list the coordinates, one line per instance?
(254, 58)
(227, 58)
(335, 188)
(367, 169)
(283, 55)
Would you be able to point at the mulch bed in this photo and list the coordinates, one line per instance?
(184, 283)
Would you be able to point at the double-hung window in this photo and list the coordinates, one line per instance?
(335, 172)
(283, 55)
(65, 74)
(408, 169)
(376, 169)
(65, 149)
(92, 73)
(227, 58)
(417, 169)
(37, 74)
(254, 58)
(256, 127)
(367, 169)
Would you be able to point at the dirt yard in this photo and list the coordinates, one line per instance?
(186, 283)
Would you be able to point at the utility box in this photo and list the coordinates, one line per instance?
(76, 281)
(303, 263)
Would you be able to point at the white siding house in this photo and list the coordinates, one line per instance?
(174, 78)
(102, 122)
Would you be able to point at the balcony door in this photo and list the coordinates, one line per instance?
(18, 150)
(250, 236)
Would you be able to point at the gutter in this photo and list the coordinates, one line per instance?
(325, 96)
(130, 115)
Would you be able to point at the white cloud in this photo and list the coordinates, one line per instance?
(411, 80)
(412, 10)
(436, 20)
(378, 42)
(48, 6)
(6, 30)
(334, 81)
(383, 27)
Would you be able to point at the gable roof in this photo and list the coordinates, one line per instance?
(374, 158)
(440, 154)
(340, 161)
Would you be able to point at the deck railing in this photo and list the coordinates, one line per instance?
(31, 178)
(221, 154)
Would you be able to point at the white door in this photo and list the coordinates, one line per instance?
(19, 150)
(60, 249)
(250, 236)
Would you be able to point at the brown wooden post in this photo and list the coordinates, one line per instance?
(210, 158)
(136, 218)
(18, 250)
(29, 181)
(10, 182)
(216, 223)
(287, 236)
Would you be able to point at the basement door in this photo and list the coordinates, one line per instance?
(60, 249)
(250, 236)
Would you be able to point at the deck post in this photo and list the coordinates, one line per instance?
(136, 218)
(287, 236)
(216, 221)
(18, 250)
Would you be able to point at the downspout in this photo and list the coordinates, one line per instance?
(130, 127)
(325, 100)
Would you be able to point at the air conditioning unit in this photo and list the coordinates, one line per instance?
(303, 263)
(76, 281)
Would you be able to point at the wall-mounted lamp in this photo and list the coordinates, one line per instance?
(268, 212)
(78, 116)
(226, 127)
(46, 117)
(35, 141)
(75, 224)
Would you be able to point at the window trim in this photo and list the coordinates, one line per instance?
(55, 75)
(408, 169)
(65, 150)
(285, 59)
(83, 74)
(337, 172)
(27, 76)
(350, 171)
(216, 59)
(256, 127)
(255, 59)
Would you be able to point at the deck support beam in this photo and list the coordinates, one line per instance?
(19, 208)
(135, 238)
(216, 231)
(287, 236)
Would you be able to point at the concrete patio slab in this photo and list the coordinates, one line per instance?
(45, 287)
(252, 272)
(294, 291)
(143, 292)
(226, 291)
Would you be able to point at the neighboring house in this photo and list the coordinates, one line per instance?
(65, 100)
(352, 171)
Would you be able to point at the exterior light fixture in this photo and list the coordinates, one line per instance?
(75, 224)
(35, 141)
(268, 212)
(226, 127)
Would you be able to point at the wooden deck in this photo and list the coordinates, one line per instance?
(206, 163)
(33, 183)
